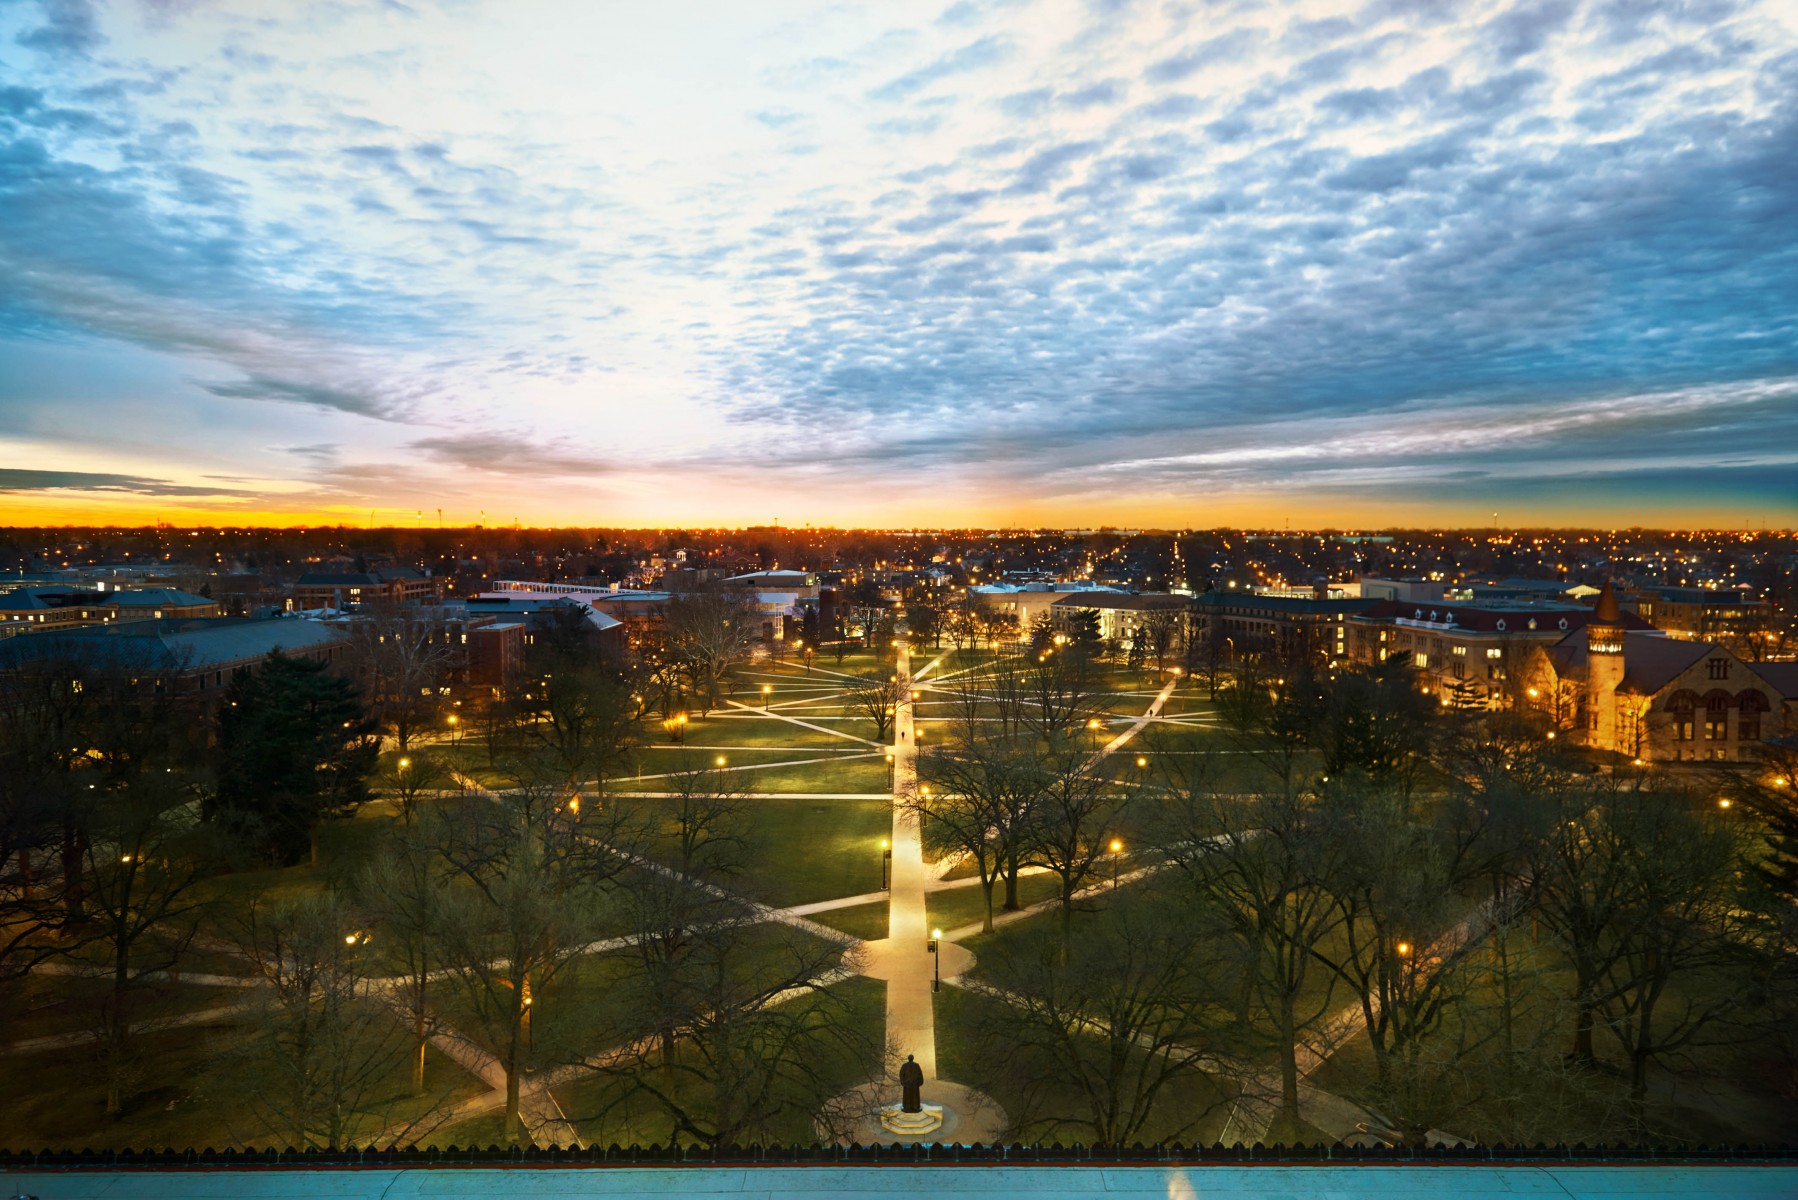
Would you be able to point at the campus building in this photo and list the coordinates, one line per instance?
(1471, 653)
(347, 591)
(1653, 697)
(1029, 599)
(1234, 625)
(39, 609)
(193, 656)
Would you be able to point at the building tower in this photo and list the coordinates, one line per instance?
(1604, 672)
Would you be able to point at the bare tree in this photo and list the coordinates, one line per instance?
(689, 844)
(585, 712)
(975, 797)
(142, 901)
(1158, 629)
(1061, 685)
(402, 892)
(1407, 948)
(411, 777)
(403, 655)
(1074, 813)
(1640, 889)
(1129, 1013)
(874, 694)
(1259, 860)
(710, 630)
(527, 902)
(763, 1043)
(326, 1048)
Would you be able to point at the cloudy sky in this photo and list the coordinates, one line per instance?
(1042, 261)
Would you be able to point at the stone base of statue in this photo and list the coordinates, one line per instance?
(894, 1119)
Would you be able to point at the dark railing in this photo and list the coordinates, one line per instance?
(881, 1155)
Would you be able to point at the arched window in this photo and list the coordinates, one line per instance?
(1716, 716)
(1680, 704)
(1750, 705)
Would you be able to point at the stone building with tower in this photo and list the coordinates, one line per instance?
(1651, 697)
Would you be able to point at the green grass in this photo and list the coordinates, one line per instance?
(801, 851)
(832, 774)
(187, 1087)
(604, 1112)
(963, 906)
(764, 731)
(1190, 1109)
(865, 921)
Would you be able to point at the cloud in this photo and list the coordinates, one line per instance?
(1220, 49)
(14, 479)
(1200, 230)
(508, 454)
(69, 29)
(289, 391)
(974, 56)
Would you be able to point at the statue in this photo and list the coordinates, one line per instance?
(911, 1083)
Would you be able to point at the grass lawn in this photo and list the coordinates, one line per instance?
(801, 851)
(964, 906)
(604, 1113)
(865, 921)
(190, 1087)
(827, 774)
(765, 731)
(1191, 1108)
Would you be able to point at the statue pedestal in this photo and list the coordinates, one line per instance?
(895, 1119)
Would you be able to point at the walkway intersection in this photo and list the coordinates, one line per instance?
(903, 960)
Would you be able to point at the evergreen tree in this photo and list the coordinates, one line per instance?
(294, 747)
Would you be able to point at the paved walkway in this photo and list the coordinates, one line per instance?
(904, 959)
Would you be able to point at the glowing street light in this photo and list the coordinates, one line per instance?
(1117, 848)
(886, 864)
(936, 961)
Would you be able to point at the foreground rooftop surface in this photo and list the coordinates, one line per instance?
(1287, 1181)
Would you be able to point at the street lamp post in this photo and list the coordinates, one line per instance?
(889, 771)
(936, 961)
(886, 864)
(1117, 848)
(1092, 727)
(767, 691)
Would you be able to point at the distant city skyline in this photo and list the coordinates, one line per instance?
(1035, 264)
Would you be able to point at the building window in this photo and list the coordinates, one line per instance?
(1494, 652)
(1716, 718)
(1423, 660)
(1460, 651)
(1719, 668)
(1749, 706)
(1460, 669)
(1681, 708)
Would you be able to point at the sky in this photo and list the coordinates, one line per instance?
(1041, 262)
